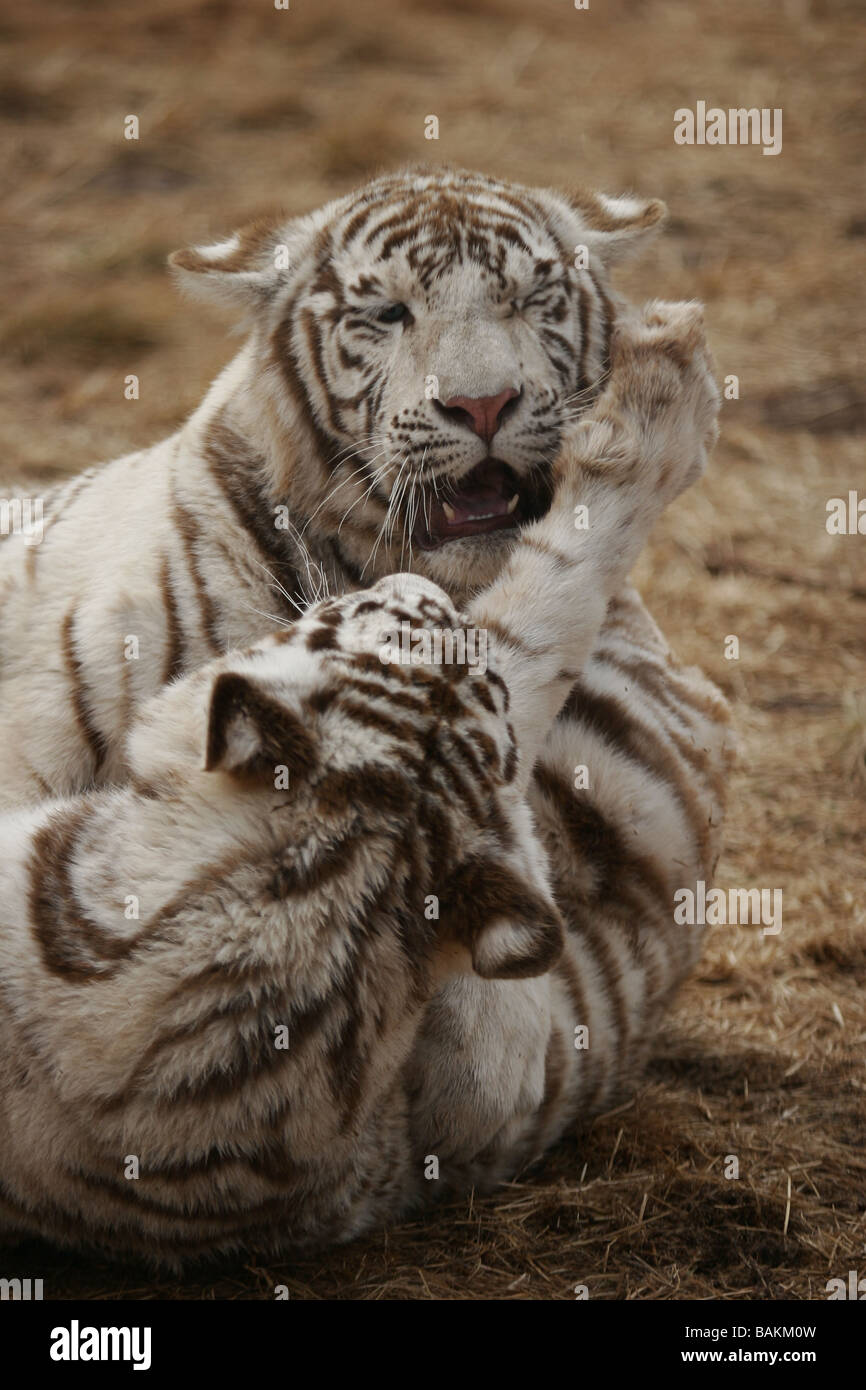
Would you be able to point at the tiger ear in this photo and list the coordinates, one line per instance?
(612, 228)
(511, 930)
(251, 733)
(244, 269)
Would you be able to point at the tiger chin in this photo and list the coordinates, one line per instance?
(435, 381)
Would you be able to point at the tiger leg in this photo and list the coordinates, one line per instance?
(628, 798)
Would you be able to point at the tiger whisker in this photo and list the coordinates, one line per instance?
(388, 517)
(379, 473)
(271, 617)
(355, 446)
(316, 587)
(290, 598)
(333, 492)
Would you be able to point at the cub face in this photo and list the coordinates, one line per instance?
(315, 742)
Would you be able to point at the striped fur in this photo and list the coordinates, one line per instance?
(411, 1036)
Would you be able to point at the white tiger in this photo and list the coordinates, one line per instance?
(401, 401)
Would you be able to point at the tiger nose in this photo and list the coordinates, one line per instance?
(483, 411)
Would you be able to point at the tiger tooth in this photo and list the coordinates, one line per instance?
(449, 512)
(513, 503)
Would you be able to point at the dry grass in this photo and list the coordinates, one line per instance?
(240, 105)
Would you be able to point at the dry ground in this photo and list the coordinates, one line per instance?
(241, 106)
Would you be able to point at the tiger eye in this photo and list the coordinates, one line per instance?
(392, 314)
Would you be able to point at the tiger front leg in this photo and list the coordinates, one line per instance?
(644, 443)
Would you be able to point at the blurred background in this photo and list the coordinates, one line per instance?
(243, 107)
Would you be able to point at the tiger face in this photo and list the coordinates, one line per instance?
(425, 341)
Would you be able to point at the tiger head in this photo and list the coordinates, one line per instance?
(416, 350)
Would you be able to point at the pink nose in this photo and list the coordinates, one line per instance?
(483, 411)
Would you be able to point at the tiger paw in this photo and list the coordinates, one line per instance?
(655, 422)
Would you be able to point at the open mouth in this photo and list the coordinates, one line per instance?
(489, 498)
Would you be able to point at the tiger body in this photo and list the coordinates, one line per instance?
(242, 931)
(402, 1043)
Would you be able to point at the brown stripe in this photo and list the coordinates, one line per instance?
(509, 639)
(608, 318)
(562, 561)
(189, 532)
(312, 331)
(286, 359)
(608, 966)
(350, 570)
(657, 685)
(90, 733)
(556, 1064)
(631, 886)
(240, 1009)
(58, 503)
(600, 219)
(374, 718)
(671, 685)
(70, 944)
(463, 747)
(598, 842)
(488, 751)
(322, 638)
(183, 1209)
(512, 759)
(652, 678)
(414, 700)
(174, 651)
(240, 475)
(494, 678)
(370, 789)
(441, 761)
(567, 972)
(583, 306)
(40, 781)
(606, 717)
